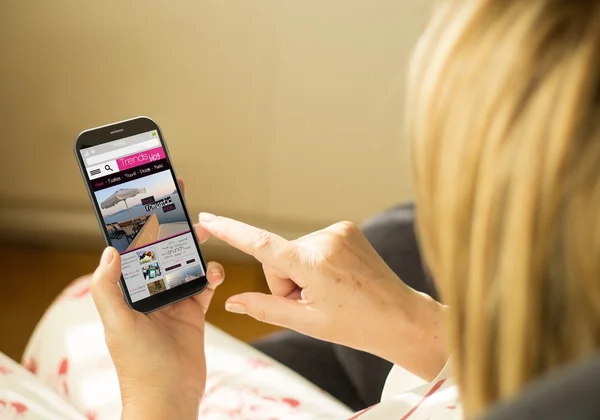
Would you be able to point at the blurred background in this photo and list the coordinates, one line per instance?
(287, 115)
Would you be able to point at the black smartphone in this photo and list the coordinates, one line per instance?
(142, 212)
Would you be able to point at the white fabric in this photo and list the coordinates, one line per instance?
(24, 396)
(406, 396)
(75, 378)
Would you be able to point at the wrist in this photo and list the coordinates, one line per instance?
(153, 410)
(157, 403)
(414, 334)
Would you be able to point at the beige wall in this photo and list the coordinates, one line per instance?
(285, 114)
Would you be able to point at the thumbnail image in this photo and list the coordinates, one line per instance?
(156, 287)
(142, 211)
(146, 256)
(184, 275)
(151, 271)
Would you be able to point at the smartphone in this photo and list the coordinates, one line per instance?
(142, 212)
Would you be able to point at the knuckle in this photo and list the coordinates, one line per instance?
(262, 239)
(218, 229)
(330, 239)
(289, 254)
(347, 229)
(338, 238)
(335, 240)
(261, 315)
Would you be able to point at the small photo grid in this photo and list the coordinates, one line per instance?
(156, 287)
(184, 275)
(146, 256)
(151, 271)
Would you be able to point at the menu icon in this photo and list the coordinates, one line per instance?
(95, 172)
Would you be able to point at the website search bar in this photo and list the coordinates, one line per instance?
(124, 151)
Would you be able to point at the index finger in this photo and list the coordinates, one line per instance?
(265, 246)
(181, 185)
(201, 233)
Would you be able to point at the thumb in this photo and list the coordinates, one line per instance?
(276, 310)
(105, 288)
(215, 274)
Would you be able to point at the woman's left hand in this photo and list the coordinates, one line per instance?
(159, 357)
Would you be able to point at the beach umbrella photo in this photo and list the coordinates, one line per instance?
(122, 195)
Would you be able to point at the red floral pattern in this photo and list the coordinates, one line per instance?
(17, 409)
(63, 367)
(230, 391)
(238, 401)
(292, 402)
(78, 289)
(5, 371)
(60, 380)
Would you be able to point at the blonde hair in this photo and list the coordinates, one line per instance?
(504, 120)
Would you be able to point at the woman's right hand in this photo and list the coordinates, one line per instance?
(332, 285)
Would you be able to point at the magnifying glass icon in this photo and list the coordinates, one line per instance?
(108, 168)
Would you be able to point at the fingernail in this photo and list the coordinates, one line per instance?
(216, 273)
(107, 256)
(207, 217)
(236, 308)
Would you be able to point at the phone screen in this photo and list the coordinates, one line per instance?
(144, 216)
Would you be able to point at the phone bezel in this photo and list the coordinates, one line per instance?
(117, 131)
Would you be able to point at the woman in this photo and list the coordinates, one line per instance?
(504, 109)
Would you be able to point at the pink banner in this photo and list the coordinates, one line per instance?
(141, 158)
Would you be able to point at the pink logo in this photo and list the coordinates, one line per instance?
(141, 158)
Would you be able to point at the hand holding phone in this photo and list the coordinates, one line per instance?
(159, 358)
(142, 212)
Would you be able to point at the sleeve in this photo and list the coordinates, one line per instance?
(401, 380)
(406, 396)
